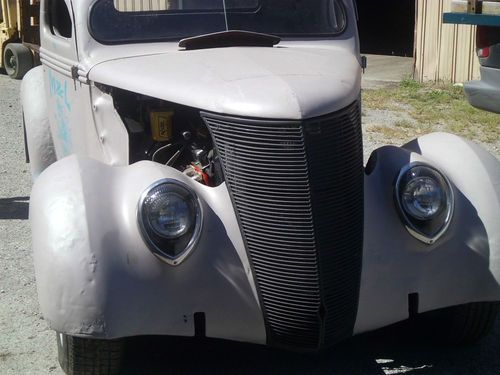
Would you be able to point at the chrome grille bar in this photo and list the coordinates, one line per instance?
(298, 191)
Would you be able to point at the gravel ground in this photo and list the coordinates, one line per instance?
(27, 346)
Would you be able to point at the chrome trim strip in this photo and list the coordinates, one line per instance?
(173, 261)
(63, 65)
(57, 63)
(52, 66)
(52, 56)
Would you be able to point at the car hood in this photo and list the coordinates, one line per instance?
(261, 82)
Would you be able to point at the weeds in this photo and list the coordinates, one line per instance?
(431, 107)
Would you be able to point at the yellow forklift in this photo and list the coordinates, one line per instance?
(19, 36)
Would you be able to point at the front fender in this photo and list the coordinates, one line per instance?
(38, 137)
(95, 275)
(463, 266)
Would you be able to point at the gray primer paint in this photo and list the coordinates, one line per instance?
(38, 136)
(273, 83)
(95, 275)
(463, 266)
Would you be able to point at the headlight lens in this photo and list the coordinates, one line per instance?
(425, 199)
(168, 211)
(170, 219)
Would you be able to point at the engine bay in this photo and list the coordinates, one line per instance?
(169, 134)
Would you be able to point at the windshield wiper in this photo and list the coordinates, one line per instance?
(231, 38)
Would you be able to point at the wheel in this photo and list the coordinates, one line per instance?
(85, 356)
(460, 324)
(18, 59)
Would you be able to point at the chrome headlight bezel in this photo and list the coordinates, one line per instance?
(427, 230)
(161, 246)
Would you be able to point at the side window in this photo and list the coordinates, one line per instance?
(337, 15)
(59, 18)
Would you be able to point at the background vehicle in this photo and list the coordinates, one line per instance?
(485, 93)
(19, 36)
(199, 172)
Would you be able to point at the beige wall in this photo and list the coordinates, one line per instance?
(443, 52)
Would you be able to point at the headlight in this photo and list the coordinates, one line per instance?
(425, 200)
(169, 216)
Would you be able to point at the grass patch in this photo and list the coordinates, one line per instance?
(389, 132)
(404, 124)
(401, 131)
(433, 107)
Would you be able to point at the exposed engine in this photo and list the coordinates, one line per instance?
(170, 134)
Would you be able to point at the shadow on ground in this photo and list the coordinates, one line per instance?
(388, 351)
(16, 208)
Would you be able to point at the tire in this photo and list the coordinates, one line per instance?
(460, 324)
(85, 356)
(18, 59)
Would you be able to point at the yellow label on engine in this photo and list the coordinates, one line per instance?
(161, 126)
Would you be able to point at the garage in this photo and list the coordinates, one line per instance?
(388, 27)
(415, 29)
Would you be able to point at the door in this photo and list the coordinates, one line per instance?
(67, 92)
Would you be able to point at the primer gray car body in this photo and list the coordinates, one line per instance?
(484, 93)
(96, 275)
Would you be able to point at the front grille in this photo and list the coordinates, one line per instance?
(297, 187)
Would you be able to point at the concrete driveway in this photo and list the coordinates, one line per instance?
(383, 70)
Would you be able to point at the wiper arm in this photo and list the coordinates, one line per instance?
(231, 38)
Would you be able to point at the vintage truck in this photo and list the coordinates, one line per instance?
(19, 36)
(198, 171)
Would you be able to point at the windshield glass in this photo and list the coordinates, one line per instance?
(128, 21)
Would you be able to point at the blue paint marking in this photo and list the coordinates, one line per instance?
(59, 91)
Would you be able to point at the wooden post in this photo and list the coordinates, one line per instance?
(473, 6)
(30, 29)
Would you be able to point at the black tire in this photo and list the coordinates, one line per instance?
(18, 59)
(460, 324)
(85, 356)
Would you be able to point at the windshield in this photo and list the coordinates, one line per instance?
(128, 21)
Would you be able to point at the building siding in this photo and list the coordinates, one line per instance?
(135, 5)
(443, 52)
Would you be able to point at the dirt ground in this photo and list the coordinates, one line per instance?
(27, 346)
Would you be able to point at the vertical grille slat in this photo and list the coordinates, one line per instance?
(297, 187)
(337, 196)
